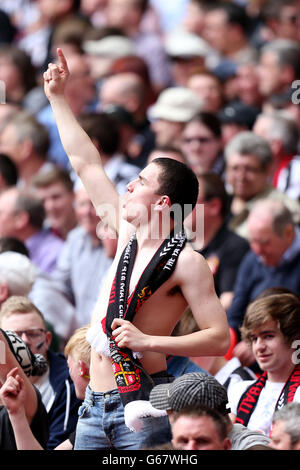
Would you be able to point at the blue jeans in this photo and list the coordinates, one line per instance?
(101, 425)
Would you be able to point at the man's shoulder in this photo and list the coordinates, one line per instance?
(191, 263)
(243, 438)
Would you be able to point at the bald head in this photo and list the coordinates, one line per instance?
(271, 231)
(124, 89)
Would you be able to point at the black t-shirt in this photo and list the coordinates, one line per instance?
(39, 427)
(228, 249)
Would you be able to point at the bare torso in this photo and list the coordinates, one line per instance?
(158, 316)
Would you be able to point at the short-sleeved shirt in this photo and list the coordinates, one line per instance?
(261, 418)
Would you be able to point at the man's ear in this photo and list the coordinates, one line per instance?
(163, 202)
(84, 370)
(4, 292)
(227, 443)
(22, 220)
(48, 337)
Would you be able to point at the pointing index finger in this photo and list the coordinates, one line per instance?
(62, 60)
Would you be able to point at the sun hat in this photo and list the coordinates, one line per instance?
(186, 45)
(177, 104)
(112, 46)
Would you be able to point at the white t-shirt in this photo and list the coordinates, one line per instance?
(46, 390)
(261, 418)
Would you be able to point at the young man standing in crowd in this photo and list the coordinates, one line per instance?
(154, 276)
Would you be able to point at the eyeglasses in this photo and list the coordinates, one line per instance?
(246, 169)
(199, 140)
(293, 19)
(32, 334)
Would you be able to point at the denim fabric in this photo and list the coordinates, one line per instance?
(101, 425)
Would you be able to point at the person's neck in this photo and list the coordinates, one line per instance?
(210, 228)
(30, 168)
(27, 232)
(237, 205)
(281, 375)
(68, 226)
(153, 234)
(235, 47)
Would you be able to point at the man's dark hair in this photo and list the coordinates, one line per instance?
(287, 52)
(236, 14)
(54, 175)
(209, 120)
(13, 244)
(27, 202)
(104, 129)
(8, 170)
(283, 309)
(205, 411)
(179, 182)
(22, 62)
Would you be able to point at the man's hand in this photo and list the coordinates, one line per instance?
(12, 392)
(128, 336)
(56, 76)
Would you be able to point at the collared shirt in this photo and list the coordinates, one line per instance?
(44, 248)
(80, 271)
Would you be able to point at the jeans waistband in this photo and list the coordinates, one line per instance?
(158, 378)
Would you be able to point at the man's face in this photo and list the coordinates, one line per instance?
(200, 146)
(58, 203)
(8, 214)
(85, 212)
(123, 13)
(167, 132)
(247, 83)
(270, 350)
(215, 29)
(244, 173)
(141, 195)
(208, 89)
(9, 144)
(265, 243)
(31, 328)
(269, 74)
(288, 26)
(280, 440)
(197, 433)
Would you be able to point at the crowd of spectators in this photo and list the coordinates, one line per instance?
(213, 84)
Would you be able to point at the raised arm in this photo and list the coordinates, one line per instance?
(13, 397)
(83, 155)
(9, 363)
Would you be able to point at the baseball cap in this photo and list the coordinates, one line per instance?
(177, 104)
(192, 389)
(32, 364)
(185, 44)
(239, 113)
(112, 46)
(225, 70)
